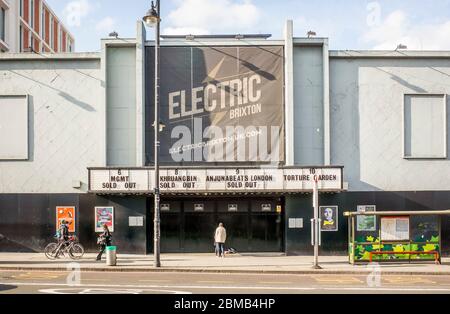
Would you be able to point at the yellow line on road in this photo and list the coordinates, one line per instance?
(407, 280)
(338, 280)
(208, 281)
(275, 282)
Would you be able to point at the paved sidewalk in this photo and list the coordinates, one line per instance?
(239, 263)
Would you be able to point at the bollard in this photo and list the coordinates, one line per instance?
(111, 256)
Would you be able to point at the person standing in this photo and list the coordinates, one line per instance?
(104, 240)
(219, 238)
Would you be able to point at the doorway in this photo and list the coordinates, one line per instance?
(188, 225)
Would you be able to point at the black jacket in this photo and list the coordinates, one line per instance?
(106, 235)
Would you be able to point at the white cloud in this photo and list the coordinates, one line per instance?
(219, 16)
(105, 25)
(75, 11)
(397, 28)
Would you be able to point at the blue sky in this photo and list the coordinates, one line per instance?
(350, 24)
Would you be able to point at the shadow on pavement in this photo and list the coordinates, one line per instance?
(7, 287)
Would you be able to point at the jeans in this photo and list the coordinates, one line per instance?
(220, 249)
(102, 250)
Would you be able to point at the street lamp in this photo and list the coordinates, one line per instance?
(152, 19)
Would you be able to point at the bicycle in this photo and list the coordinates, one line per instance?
(71, 247)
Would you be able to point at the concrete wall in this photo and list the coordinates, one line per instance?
(367, 122)
(121, 106)
(308, 106)
(65, 114)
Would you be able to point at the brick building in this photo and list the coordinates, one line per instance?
(31, 25)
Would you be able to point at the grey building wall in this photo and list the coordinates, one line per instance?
(65, 114)
(367, 131)
(121, 106)
(308, 106)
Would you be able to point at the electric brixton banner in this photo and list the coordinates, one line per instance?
(218, 104)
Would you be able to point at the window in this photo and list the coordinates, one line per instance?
(31, 14)
(425, 126)
(14, 121)
(51, 32)
(43, 23)
(21, 38)
(2, 24)
(21, 8)
(60, 41)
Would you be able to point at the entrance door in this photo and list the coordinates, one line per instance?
(170, 226)
(188, 225)
(199, 226)
(234, 214)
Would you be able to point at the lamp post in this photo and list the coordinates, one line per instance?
(152, 19)
(315, 225)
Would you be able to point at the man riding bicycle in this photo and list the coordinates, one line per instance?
(62, 235)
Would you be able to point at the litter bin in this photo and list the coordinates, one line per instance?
(111, 256)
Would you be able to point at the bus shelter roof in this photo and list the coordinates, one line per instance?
(399, 213)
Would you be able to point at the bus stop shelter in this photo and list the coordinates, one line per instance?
(394, 236)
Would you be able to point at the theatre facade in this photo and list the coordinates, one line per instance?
(249, 126)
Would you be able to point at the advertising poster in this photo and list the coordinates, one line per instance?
(67, 214)
(104, 215)
(219, 104)
(366, 223)
(329, 218)
(395, 228)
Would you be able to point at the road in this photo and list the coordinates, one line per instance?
(39, 282)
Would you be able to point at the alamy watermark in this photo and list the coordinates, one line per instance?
(73, 279)
(374, 278)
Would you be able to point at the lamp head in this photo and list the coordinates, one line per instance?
(152, 17)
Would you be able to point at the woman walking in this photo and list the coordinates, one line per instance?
(104, 240)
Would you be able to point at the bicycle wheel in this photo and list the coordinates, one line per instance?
(76, 251)
(51, 251)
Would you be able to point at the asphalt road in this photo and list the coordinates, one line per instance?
(39, 282)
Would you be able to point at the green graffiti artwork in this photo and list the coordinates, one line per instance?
(365, 245)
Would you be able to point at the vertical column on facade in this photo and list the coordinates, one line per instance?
(140, 94)
(102, 110)
(289, 92)
(326, 104)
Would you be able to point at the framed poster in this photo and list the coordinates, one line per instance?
(395, 228)
(66, 213)
(104, 216)
(329, 218)
(366, 223)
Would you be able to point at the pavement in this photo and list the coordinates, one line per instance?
(264, 263)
